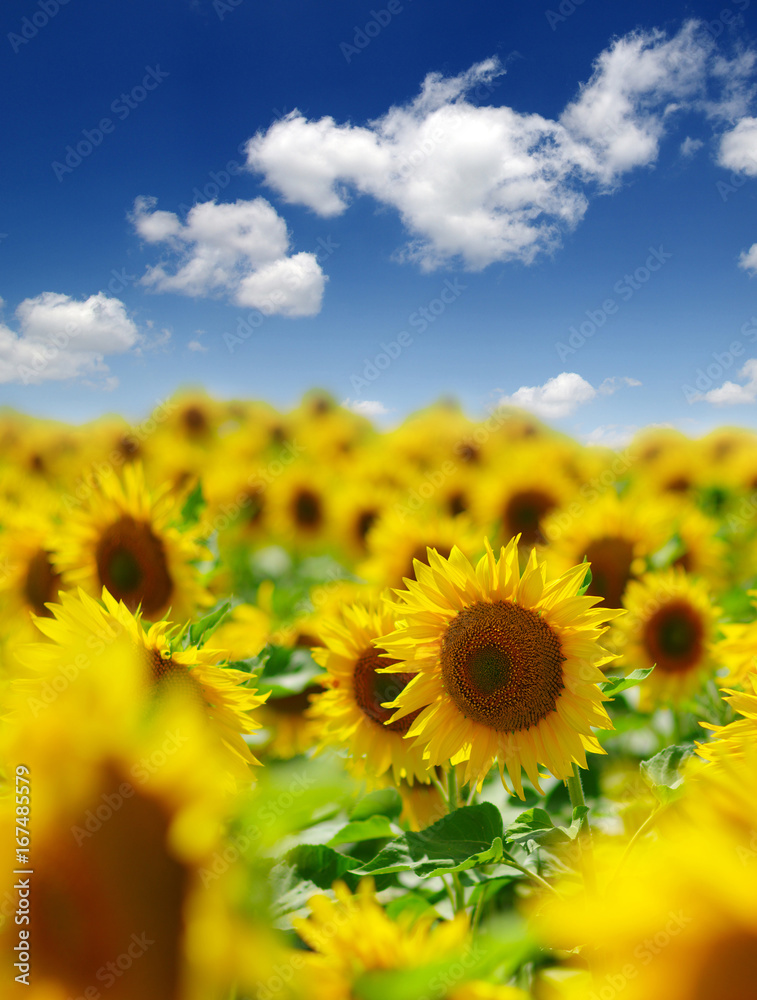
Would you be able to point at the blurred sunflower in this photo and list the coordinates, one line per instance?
(352, 936)
(28, 580)
(669, 926)
(615, 536)
(507, 665)
(127, 542)
(128, 814)
(351, 708)
(518, 496)
(299, 507)
(737, 650)
(396, 542)
(732, 740)
(287, 719)
(671, 624)
(79, 619)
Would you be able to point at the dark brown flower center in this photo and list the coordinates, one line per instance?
(372, 688)
(727, 967)
(195, 421)
(457, 503)
(41, 584)
(524, 513)
(131, 563)
(611, 559)
(307, 509)
(502, 665)
(674, 636)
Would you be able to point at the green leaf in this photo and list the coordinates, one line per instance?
(363, 829)
(204, 628)
(382, 802)
(286, 671)
(410, 903)
(193, 507)
(587, 580)
(614, 685)
(468, 837)
(320, 865)
(662, 771)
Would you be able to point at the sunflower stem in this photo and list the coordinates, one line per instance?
(576, 792)
(453, 793)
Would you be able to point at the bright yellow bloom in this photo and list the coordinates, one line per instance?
(507, 665)
(352, 935)
(670, 624)
(80, 620)
(127, 821)
(351, 708)
(126, 542)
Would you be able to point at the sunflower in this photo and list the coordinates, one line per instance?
(671, 624)
(397, 541)
(670, 925)
(351, 709)
(299, 506)
(287, 719)
(507, 665)
(127, 822)
(737, 650)
(28, 579)
(518, 496)
(732, 739)
(351, 936)
(127, 543)
(422, 804)
(80, 619)
(615, 535)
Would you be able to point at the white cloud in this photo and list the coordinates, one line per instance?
(195, 345)
(562, 395)
(366, 407)
(486, 183)
(690, 146)
(731, 393)
(558, 397)
(748, 259)
(611, 435)
(62, 338)
(738, 148)
(611, 385)
(239, 248)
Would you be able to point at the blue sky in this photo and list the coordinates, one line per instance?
(552, 206)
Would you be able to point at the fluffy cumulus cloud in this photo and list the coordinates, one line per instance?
(240, 249)
(486, 183)
(738, 148)
(730, 393)
(562, 395)
(748, 259)
(63, 338)
(366, 407)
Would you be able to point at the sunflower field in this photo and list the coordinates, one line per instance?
(298, 709)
